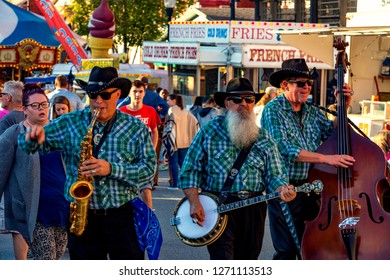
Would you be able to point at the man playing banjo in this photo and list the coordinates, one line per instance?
(211, 165)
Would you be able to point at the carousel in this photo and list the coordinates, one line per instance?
(27, 45)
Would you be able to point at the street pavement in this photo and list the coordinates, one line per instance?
(164, 203)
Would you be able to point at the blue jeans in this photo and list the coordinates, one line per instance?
(176, 161)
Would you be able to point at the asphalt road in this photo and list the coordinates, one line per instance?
(164, 203)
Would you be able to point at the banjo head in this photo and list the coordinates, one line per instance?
(191, 233)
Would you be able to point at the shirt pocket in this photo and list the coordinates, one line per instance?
(122, 157)
(253, 173)
(294, 134)
(220, 162)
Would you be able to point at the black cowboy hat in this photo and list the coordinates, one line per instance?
(236, 86)
(295, 67)
(103, 78)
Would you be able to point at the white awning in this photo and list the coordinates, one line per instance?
(319, 42)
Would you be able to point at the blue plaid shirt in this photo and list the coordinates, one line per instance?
(294, 133)
(127, 148)
(212, 154)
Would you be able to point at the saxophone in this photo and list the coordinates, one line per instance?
(82, 189)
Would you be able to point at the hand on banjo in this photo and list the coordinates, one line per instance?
(197, 213)
(287, 193)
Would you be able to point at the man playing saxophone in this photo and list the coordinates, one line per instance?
(122, 160)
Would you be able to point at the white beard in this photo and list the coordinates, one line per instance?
(242, 128)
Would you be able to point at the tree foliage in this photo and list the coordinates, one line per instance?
(136, 20)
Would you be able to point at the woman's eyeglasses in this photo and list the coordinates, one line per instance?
(239, 99)
(37, 105)
(105, 95)
(301, 84)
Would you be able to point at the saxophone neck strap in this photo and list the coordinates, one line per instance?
(98, 139)
(233, 173)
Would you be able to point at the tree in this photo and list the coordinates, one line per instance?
(136, 20)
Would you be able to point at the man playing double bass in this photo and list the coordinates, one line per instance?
(298, 129)
(209, 163)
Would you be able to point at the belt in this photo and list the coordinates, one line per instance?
(245, 194)
(109, 211)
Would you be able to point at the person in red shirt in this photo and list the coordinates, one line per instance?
(145, 113)
(149, 117)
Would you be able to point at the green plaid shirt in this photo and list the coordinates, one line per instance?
(212, 154)
(293, 133)
(127, 148)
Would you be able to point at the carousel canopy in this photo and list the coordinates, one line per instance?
(17, 24)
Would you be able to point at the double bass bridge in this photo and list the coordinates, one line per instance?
(349, 222)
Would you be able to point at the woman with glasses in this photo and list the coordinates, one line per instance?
(36, 210)
(298, 129)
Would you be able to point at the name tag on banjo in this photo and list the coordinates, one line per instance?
(192, 234)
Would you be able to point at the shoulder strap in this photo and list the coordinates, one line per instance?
(233, 173)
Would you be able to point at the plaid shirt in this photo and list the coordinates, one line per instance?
(212, 154)
(294, 133)
(127, 148)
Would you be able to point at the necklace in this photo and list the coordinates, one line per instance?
(99, 137)
(96, 138)
(298, 117)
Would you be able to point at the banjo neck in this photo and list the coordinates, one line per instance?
(316, 186)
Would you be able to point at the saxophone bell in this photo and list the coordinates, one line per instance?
(81, 190)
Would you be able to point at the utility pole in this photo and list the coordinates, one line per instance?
(257, 10)
(313, 11)
(232, 9)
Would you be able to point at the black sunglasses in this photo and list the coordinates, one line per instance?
(238, 99)
(301, 84)
(105, 95)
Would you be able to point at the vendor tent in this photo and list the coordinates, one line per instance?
(17, 24)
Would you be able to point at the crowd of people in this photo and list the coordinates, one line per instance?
(234, 145)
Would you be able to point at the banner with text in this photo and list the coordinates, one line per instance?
(62, 32)
(269, 56)
(184, 54)
(265, 32)
(203, 32)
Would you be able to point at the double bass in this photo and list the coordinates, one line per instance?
(351, 223)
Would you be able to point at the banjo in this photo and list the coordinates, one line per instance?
(192, 234)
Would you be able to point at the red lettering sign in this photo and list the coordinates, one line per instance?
(62, 32)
